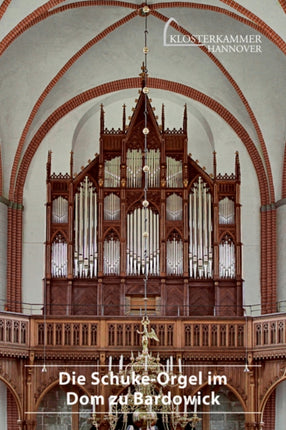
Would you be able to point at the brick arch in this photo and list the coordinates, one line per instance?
(50, 86)
(135, 83)
(283, 4)
(255, 22)
(267, 395)
(109, 29)
(4, 7)
(278, 40)
(76, 56)
(14, 275)
(242, 98)
(15, 397)
(44, 11)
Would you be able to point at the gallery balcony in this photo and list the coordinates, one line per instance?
(201, 338)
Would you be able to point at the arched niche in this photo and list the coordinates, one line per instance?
(274, 400)
(59, 414)
(229, 414)
(9, 406)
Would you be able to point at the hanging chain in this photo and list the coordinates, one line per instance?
(146, 167)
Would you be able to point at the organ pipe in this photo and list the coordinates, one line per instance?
(226, 211)
(85, 230)
(112, 207)
(59, 257)
(174, 209)
(111, 260)
(153, 161)
(60, 210)
(174, 257)
(134, 168)
(200, 227)
(112, 172)
(227, 258)
(136, 263)
(174, 173)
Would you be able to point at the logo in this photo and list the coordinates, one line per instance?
(178, 39)
(215, 43)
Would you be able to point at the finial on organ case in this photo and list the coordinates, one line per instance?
(49, 163)
(101, 119)
(71, 164)
(185, 121)
(237, 166)
(214, 163)
(124, 118)
(163, 117)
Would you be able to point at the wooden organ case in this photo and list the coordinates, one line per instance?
(95, 261)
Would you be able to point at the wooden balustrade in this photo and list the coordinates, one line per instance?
(14, 330)
(119, 333)
(267, 333)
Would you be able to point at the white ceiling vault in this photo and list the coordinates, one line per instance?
(54, 52)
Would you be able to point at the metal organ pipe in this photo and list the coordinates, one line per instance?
(227, 258)
(174, 257)
(111, 260)
(174, 208)
(134, 168)
(153, 161)
(59, 257)
(112, 172)
(85, 230)
(60, 210)
(136, 242)
(200, 226)
(226, 211)
(174, 173)
(76, 268)
(112, 207)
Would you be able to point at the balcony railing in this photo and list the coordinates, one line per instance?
(269, 330)
(260, 335)
(14, 330)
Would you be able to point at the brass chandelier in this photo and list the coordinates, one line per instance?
(143, 405)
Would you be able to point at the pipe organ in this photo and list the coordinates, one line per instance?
(103, 237)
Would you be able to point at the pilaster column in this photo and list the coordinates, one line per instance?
(281, 252)
(3, 249)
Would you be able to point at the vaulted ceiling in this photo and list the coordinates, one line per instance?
(61, 59)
